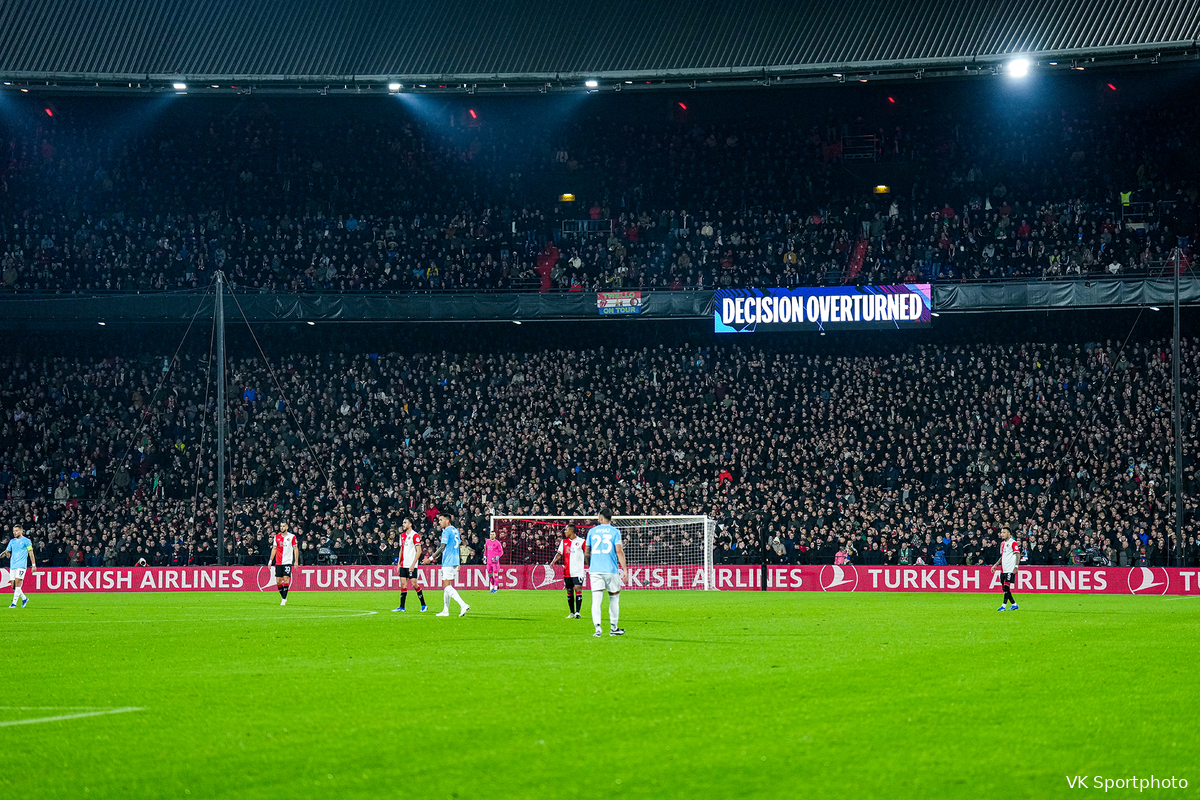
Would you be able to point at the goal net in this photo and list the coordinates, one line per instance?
(662, 552)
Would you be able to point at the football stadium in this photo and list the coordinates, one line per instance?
(528, 399)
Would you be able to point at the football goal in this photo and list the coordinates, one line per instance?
(662, 552)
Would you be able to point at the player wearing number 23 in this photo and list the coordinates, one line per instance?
(605, 557)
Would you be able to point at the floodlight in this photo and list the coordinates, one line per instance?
(1018, 67)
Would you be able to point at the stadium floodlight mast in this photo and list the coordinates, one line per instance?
(1018, 67)
(219, 325)
(394, 87)
(1177, 414)
(591, 84)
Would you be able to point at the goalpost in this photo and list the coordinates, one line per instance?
(662, 552)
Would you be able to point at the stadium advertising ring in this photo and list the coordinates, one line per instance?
(728, 577)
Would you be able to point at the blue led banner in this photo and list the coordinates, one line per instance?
(822, 308)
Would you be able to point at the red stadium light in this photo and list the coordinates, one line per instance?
(49, 113)
(891, 99)
(684, 107)
(1112, 87)
(472, 113)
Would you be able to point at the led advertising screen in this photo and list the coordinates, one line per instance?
(823, 308)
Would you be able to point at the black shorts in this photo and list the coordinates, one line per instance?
(283, 572)
(569, 581)
(410, 572)
(1008, 577)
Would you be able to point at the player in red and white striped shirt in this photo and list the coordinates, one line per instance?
(285, 554)
(408, 564)
(1009, 562)
(570, 550)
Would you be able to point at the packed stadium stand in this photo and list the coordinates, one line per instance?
(888, 453)
(287, 196)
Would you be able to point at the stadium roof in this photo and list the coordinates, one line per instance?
(527, 42)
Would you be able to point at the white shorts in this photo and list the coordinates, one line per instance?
(606, 582)
(16, 574)
(449, 573)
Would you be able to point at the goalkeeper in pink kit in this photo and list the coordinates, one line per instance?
(492, 550)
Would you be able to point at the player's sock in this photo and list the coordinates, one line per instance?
(283, 590)
(571, 599)
(614, 610)
(403, 598)
(16, 595)
(1008, 598)
(597, 598)
(421, 596)
(457, 597)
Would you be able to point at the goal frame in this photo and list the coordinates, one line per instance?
(707, 570)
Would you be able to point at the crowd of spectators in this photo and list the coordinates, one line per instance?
(287, 200)
(893, 454)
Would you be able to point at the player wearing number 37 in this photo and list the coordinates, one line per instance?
(604, 556)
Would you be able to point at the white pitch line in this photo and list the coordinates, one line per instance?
(198, 618)
(54, 708)
(63, 717)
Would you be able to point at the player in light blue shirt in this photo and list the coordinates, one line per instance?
(20, 558)
(451, 542)
(604, 556)
(449, 551)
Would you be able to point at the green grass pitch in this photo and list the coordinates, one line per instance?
(715, 695)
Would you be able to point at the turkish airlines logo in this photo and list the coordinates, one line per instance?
(266, 579)
(836, 578)
(1148, 580)
(548, 576)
